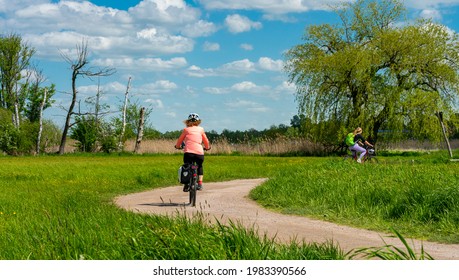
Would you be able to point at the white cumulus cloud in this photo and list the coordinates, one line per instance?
(211, 47)
(238, 24)
(266, 63)
(156, 103)
(246, 47)
(431, 14)
(270, 6)
(152, 27)
(199, 29)
(237, 68)
(142, 64)
(174, 12)
(244, 86)
(248, 105)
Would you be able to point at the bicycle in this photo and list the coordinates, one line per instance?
(370, 155)
(192, 185)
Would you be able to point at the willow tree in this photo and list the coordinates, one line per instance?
(370, 70)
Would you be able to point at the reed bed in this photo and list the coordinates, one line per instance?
(416, 145)
(278, 146)
(281, 146)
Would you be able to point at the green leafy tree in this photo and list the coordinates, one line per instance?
(151, 133)
(85, 131)
(35, 95)
(172, 134)
(132, 120)
(106, 136)
(93, 134)
(373, 72)
(21, 94)
(51, 134)
(15, 57)
(22, 140)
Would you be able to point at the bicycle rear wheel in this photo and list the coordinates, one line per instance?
(348, 157)
(193, 194)
(192, 185)
(372, 160)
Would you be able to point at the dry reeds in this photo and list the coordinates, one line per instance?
(416, 145)
(279, 146)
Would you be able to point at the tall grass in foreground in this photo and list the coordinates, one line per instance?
(61, 208)
(390, 252)
(417, 196)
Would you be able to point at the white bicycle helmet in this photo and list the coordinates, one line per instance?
(193, 117)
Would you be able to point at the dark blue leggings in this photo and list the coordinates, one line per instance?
(199, 159)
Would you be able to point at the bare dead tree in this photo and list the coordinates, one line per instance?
(79, 67)
(38, 99)
(123, 127)
(97, 102)
(40, 121)
(138, 141)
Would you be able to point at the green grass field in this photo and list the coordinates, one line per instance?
(60, 207)
(417, 196)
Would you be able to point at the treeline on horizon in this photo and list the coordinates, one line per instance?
(300, 127)
(90, 135)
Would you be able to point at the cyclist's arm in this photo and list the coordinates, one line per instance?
(178, 144)
(359, 139)
(205, 140)
(368, 143)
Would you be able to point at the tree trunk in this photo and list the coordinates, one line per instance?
(123, 128)
(69, 113)
(40, 121)
(443, 129)
(97, 106)
(17, 122)
(138, 141)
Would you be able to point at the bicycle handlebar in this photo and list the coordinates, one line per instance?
(181, 148)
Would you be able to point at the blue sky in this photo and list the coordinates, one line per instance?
(219, 58)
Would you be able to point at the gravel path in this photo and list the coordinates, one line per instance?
(228, 201)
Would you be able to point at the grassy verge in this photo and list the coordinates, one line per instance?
(61, 208)
(416, 195)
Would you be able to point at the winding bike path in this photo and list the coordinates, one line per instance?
(228, 201)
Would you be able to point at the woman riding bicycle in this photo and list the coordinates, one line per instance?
(357, 146)
(193, 136)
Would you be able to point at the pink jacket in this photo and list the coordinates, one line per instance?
(193, 136)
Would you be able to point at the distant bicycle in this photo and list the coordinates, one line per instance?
(369, 157)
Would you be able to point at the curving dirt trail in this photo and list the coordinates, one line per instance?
(228, 201)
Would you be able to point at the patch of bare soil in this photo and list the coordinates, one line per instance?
(226, 201)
